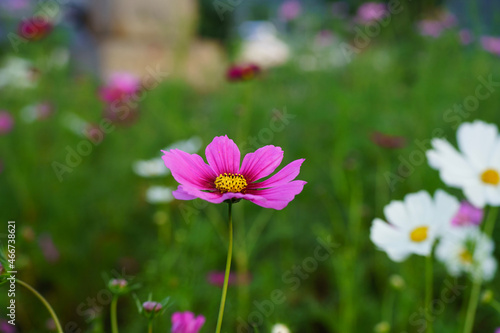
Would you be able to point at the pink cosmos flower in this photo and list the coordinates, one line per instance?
(467, 215)
(289, 10)
(120, 86)
(34, 28)
(6, 122)
(371, 11)
(186, 322)
(491, 44)
(223, 178)
(497, 330)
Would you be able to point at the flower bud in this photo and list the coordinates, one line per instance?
(397, 282)
(151, 306)
(487, 296)
(382, 327)
(118, 286)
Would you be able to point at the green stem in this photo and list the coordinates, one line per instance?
(150, 326)
(228, 269)
(114, 323)
(428, 289)
(489, 225)
(44, 301)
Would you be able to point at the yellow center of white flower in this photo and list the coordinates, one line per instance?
(490, 176)
(230, 182)
(466, 257)
(419, 234)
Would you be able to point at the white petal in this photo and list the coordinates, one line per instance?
(389, 239)
(445, 207)
(475, 194)
(397, 215)
(419, 207)
(476, 141)
(454, 169)
(492, 195)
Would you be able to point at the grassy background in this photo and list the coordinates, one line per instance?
(100, 222)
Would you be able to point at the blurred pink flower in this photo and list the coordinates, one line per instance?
(120, 86)
(434, 27)
(491, 44)
(49, 249)
(223, 179)
(6, 122)
(217, 279)
(34, 28)
(388, 141)
(186, 322)
(497, 330)
(17, 4)
(430, 28)
(371, 11)
(467, 215)
(5, 327)
(289, 10)
(324, 38)
(242, 72)
(465, 36)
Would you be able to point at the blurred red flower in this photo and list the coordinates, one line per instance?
(34, 28)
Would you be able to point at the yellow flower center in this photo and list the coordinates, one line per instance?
(490, 176)
(419, 234)
(230, 182)
(466, 257)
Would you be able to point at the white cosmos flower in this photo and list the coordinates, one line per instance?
(280, 328)
(159, 194)
(476, 168)
(150, 168)
(155, 167)
(467, 250)
(414, 224)
(18, 73)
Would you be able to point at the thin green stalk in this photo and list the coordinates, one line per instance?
(150, 326)
(228, 269)
(114, 323)
(44, 301)
(428, 288)
(471, 308)
(489, 225)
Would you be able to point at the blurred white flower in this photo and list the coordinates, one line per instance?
(59, 58)
(261, 45)
(75, 124)
(18, 73)
(159, 194)
(150, 168)
(476, 168)
(191, 145)
(467, 250)
(280, 328)
(155, 167)
(415, 223)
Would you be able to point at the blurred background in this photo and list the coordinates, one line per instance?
(91, 91)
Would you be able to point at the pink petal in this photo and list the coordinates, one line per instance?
(278, 197)
(189, 169)
(189, 193)
(261, 163)
(223, 155)
(285, 175)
